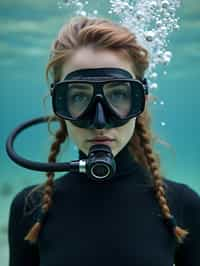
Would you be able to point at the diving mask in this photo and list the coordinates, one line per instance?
(99, 97)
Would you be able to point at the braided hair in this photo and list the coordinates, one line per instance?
(101, 33)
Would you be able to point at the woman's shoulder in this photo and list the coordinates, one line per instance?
(187, 205)
(26, 201)
(182, 189)
(31, 195)
(21, 195)
(184, 198)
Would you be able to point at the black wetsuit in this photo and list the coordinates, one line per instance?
(115, 223)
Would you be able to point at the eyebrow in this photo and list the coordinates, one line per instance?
(116, 83)
(79, 86)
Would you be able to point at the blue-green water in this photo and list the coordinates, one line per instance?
(27, 31)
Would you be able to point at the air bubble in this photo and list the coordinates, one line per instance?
(165, 4)
(163, 124)
(139, 14)
(95, 12)
(149, 35)
(176, 27)
(83, 13)
(159, 23)
(79, 5)
(154, 75)
(153, 4)
(154, 86)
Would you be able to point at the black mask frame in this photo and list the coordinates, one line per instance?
(99, 113)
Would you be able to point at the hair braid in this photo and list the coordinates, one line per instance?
(60, 137)
(159, 186)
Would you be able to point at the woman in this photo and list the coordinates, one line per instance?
(138, 217)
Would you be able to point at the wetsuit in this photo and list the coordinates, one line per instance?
(117, 223)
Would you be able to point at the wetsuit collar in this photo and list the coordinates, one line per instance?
(126, 166)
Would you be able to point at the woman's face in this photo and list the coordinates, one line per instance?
(89, 58)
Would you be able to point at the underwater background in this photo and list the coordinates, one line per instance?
(27, 31)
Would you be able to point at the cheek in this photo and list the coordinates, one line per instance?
(69, 128)
(127, 130)
(74, 132)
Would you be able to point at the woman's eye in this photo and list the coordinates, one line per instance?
(119, 95)
(79, 97)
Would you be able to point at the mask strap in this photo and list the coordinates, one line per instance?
(146, 87)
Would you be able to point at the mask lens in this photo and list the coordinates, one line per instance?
(73, 98)
(118, 95)
(78, 98)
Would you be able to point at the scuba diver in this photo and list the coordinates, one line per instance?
(122, 211)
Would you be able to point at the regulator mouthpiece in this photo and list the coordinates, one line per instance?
(100, 163)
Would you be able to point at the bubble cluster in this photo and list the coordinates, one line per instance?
(79, 8)
(150, 20)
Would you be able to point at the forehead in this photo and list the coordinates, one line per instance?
(88, 57)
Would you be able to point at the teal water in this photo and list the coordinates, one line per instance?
(27, 31)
